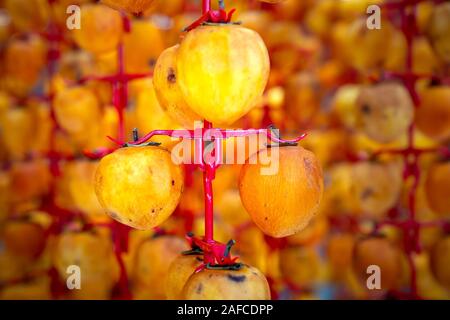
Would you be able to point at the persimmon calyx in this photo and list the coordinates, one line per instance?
(235, 266)
(212, 16)
(145, 144)
(276, 133)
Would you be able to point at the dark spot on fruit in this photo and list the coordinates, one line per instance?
(366, 109)
(366, 193)
(171, 77)
(173, 182)
(236, 278)
(115, 216)
(152, 62)
(265, 218)
(199, 288)
(309, 171)
(308, 164)
(153, 210)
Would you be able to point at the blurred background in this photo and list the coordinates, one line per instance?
(375, 103)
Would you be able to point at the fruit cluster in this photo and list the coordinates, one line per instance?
(368, 186)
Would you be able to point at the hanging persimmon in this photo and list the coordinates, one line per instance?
(139, 186)
(101, 29)
(222, 70)
(282, 202)
(247, 283)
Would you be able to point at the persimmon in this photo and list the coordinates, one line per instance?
(437, 188)
(24, 59)
(439, 260)
(101, 29)
(76, 108)
(222, 71)
(152, 265)
(282, 203)
(437, 30)
(28, 14)
(384, 111)
(18, 125)
(165, 81)
(139, 186)
(379, 251)
(179, 272)
(24, 238)
(139, 55)
(247, 283)
(433, 114)
(299, 265)
(375, 187)
(131, 6)
(93, 253)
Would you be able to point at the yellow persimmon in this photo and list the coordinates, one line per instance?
(222, 71)
(139, 186)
